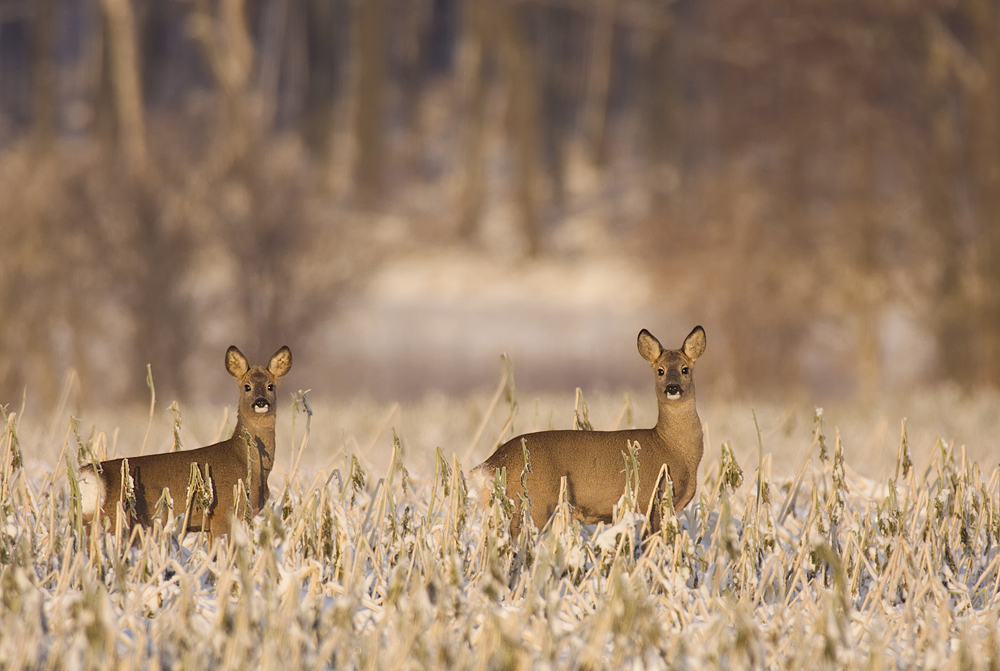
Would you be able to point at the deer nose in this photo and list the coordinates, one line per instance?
(673, 391)
(260, 406)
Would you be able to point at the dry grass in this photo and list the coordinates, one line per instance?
(368, 555)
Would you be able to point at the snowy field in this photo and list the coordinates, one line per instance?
(800, 551)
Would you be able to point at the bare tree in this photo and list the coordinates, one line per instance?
(369, 115)
(599, 80)
(229, 51)
(43, 60)
(494, 29)
(124, 57)
(983, 93)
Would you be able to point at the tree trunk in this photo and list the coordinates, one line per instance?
(661, 119)
(369, 116)
(43, 71)
(319, 120)
(984, 145)
(124, 71)
(953, 315)
(870, 283)
(599, 81)
(519, 66)
(472, 71)
(229, 51)
(417, 16)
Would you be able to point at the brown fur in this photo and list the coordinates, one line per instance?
(227, 460)
(592, 461)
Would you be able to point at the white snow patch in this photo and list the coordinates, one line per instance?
(629, 524)
(479, 483)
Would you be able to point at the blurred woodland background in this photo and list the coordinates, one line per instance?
(818, 183)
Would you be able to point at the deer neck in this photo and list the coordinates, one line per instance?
(261, 432)
(679, 427)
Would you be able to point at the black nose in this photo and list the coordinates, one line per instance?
(673, 389)
(261, 403)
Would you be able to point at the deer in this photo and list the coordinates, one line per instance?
(231, 475)
(593, 462)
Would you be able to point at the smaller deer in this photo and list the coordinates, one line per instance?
(592, 461)
(247, 458)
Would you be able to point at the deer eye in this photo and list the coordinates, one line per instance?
(685, 370)
(659, 371)
(270, 387)
(246, 387)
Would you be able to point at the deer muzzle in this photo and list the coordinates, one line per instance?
(261, 406)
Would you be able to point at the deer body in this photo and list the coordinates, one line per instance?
(247, 456)
(593, 462)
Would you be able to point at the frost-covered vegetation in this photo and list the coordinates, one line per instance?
(358, 566)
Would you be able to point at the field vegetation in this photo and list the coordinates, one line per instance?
(800, 551)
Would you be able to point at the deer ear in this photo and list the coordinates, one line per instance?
(649, 347)
(694, 344)
(281, 362)
(236, 363)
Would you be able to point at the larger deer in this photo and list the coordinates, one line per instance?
(592, 461)
(247, 458)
